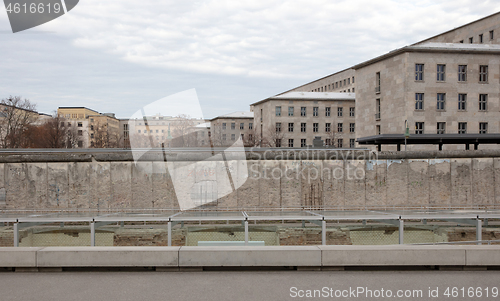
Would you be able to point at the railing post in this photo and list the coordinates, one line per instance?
(323, 233)
(401, 231)
(16, 235)
(479, 231)
(169, 233)
(246, 232)
(92, 234)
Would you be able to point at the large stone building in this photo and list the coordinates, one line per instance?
(226, 129)
(295, 119)
(447, 85)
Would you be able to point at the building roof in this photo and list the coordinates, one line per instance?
(431, 139)
(72, 108)
(205, 125)
(239, 114)
(311, 96)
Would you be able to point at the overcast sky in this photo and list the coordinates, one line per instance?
(120, 55)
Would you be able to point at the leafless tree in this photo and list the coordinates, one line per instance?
(274, 137)
(16, 115)
(183, 132)
(331, 139)
(252, 139)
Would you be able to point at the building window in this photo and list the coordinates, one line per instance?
(327, 111)
(441, 101)
(80, 132)
(483, 74)
(80, 143)
(278, 111)
(303, 111)
(353, 79)
(462, 73)
(462, 102)
(290, 142)
(233, 126)
(250, 126)
(340, 127)
(290, 111)
(302, 127)
(80, 124)
(377, 109)
(419, 101)
(441, 73)
(315, 111)
(377, 82)
(223, 137)
(344, 82)
(441, 127)
(278, 127)
(378, 130)
(481, 38)
(419, 72)
(157, 131)
(471, 40)
(483, 128)
(328, 142)
(340, 142)
(250, 137)
(315, 127)
(303, 143)
(419, 128)
(223, 125)
(352, 127)
(351, 111)
(328, 127)
(483, 102)
(340, 111)
(92, 135)
(349, 81)
(242, 126)
(491, 34)
(462, 127)
(139, 131)
(351, 143)
(233, 137)
(290, 127)
(278, 142)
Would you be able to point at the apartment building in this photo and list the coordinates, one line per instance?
(444, 90)
(295, 119)
(226, 129)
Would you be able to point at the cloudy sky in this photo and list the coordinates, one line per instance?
(120, 55)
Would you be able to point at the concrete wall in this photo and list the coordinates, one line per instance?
(369, 182)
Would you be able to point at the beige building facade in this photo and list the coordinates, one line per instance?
(225, 130)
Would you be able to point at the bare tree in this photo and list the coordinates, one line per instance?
(252, 139)
(332, 138)
(16, 115)
(183, 132)
(274, 137)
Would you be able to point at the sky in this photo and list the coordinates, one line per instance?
(121, 55)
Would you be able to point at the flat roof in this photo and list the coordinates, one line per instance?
(431, 139)
(234, 115)
(311, 96)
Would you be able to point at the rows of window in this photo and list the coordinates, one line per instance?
(462, 73)
(315, 111)
(316, 127)
(481, 37)
(303, 142)
(441, 128)
(336, 85)
(441, 102)
(241, 126)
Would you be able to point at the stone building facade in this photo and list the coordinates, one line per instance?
(294, 119)
(225, 130)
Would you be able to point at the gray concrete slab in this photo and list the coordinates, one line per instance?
(18, 257)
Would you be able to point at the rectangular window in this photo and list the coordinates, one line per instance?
(242, 136)
(328, 142)
(80, 124)
(315, 111)
(250, 137)
(352, 127)
(441, 101)
(483, 102)
(340, 127)
(328, 127)
(250, 126)
(353, 79)
(462, 127)
(419, 101)
(336, 85)
(351, 143)
(223, 125)
(233, 137)
(290, 111)
(377, 82)
(278, 142)
(471, 40)
(462, 73)
(483, 74)
(290, 127)
(303, 143)
(303, 111)
(441, 73)
(419, 128)
(340, 111)
(378, 131)
(327, 111)
(340, 142)
(233, 126)
(139, 131)
(315, 127)
(80, 143)
(344, 82)
(441, 127)
(290, 142)
(278, 111)
(349, 81)
(377, 109)
(242, 126)
(491, 34)
(483, 128)
(351, 111)
(80, 132)
(481, 38)
(419, 72)
(278, 127)
(224, 137)
(462, 102)
(303, 127)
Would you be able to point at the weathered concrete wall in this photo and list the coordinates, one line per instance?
(375, 182)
